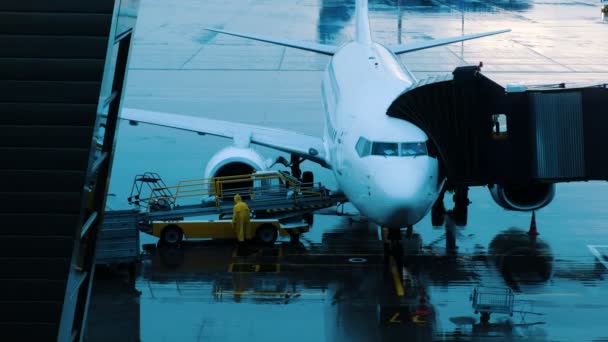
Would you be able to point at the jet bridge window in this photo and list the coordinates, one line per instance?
(363, 147)
(499, 127)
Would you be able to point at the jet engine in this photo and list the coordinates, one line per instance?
(523, 197)
(232, 161)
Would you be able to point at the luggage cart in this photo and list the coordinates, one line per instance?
(488, 300)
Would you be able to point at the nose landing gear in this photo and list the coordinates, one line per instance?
(391, 238)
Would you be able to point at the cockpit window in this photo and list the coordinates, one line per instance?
(363, 147)
(386, 149)
(413, 149)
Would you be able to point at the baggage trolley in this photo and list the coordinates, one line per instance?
(488, 300)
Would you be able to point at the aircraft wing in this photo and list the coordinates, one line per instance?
(306, 146)
(404, 48)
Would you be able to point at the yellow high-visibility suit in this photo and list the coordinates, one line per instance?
(240, 218)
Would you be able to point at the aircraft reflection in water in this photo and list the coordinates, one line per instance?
(358, 297)
(521, 258)
(346, 273)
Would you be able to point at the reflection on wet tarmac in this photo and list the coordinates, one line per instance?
(345, 274)
(521, 257)
(343, 283)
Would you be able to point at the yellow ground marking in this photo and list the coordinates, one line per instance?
(397, 279)
(417, 319)
(395, 318)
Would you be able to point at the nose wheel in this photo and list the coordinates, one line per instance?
(392, 244)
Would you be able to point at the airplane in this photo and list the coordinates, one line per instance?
(381, 164)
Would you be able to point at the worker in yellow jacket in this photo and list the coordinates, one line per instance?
(240, 220)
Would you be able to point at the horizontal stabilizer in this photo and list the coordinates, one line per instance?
(308, 46)
(404, 48)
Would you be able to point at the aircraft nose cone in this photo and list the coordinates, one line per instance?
(406, 193)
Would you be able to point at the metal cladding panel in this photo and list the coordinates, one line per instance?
(44, 268)
(60, 24)
(127, 16)
(29, 290)
(48, 114)
(64, 6)
(41, 69)
(596, 121)
(52, 61)
(558, 135)
(16, 46)
(38, 224)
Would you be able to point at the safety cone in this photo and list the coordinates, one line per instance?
(533, 231)
(422, 310)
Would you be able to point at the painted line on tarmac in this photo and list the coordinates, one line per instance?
(363, 264)
(558, 294)
(598, 255)
(256, 293)
(396, 279)
(337, 255)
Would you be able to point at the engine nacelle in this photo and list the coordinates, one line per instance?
(232, 161)
(523, 197)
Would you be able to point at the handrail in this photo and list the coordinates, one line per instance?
(215, 187)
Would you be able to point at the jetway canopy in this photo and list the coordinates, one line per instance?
(486, 134)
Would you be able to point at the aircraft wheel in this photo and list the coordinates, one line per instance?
(461, 215)
(294, 238)
(267, 234)
(437, 216)
(309, 218)
(308, 178)
(172, 235)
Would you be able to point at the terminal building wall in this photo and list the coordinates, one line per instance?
(62, 68)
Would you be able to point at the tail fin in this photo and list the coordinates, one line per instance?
(363, 33)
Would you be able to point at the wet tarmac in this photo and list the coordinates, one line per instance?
(336, 284)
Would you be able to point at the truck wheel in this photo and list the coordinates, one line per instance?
(485, 318)
(267, 234)
(172, 235)
(309, 218)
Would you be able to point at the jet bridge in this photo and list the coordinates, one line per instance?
(486, 134)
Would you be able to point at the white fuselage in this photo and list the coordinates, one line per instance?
(392, 190)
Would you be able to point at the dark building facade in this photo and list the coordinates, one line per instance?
(62, 70)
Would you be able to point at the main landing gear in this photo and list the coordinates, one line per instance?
(293, 164)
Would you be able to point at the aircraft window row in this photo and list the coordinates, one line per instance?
(365, 148)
